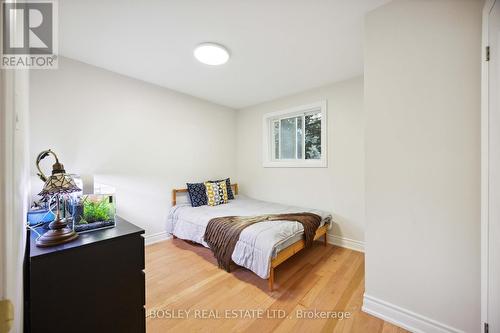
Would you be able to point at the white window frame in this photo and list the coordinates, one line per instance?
(268, 139)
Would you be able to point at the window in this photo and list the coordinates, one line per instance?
(296, 137)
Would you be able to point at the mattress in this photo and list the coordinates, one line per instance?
(258, 243)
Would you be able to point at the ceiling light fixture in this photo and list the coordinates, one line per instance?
(211, 54)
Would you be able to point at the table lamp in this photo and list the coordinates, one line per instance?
(57, 184)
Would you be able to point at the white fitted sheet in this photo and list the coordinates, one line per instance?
(258, 243)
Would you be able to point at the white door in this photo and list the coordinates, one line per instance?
(493, 284)
(14, 185)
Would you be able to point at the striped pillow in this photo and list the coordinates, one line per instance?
(216, 193)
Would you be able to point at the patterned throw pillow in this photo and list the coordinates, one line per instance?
(216, 193)
(230, 194)
(197, 194)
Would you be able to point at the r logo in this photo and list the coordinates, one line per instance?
(28, 28)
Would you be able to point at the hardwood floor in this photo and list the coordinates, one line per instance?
(186, 292)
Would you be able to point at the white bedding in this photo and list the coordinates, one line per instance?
(258, 243)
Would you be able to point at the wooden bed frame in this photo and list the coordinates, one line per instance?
(284, 254)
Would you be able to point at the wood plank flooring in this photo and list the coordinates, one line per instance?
(186, 292)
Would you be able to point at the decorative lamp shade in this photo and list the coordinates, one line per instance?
(61, 183)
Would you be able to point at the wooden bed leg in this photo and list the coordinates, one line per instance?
(271, 278)
(325, 239)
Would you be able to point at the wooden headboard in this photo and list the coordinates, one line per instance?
(184, 190)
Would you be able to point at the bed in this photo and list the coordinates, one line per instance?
(262, 246)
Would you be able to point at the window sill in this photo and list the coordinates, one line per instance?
(295, 164)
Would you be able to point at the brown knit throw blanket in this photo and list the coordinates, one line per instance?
(222, 233)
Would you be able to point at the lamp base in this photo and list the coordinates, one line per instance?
(56, 237)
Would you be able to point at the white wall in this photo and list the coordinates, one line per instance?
(422, 102)
(340, 187)
(140, 138)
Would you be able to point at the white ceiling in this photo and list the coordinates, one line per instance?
(278, 47)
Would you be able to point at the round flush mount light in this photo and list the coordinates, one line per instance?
(211, 54)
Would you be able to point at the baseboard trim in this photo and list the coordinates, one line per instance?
(404, 318)
(155, 238)
(348, 243)
(332, 239)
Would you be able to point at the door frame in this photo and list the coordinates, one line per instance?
(488, 6)
(14, 182)
(2, 170)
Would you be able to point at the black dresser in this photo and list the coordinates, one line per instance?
(93, 284)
